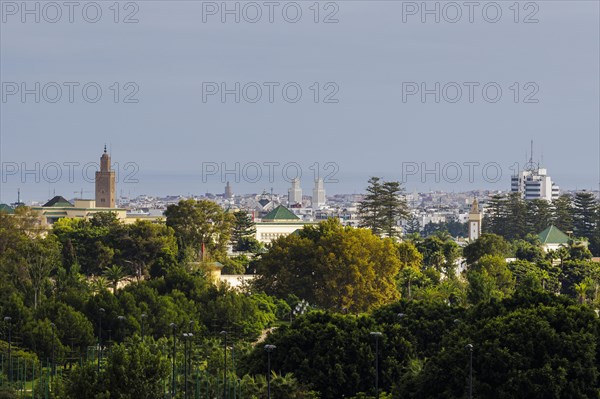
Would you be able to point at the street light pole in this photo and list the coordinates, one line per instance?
(100, 313)
(469, 347)
(53, 361)
(269, 349)
(377, 335)
(121, 334)
(185, 371)
(143, 318)
(173, 326)
(224, 334)
(8, 320)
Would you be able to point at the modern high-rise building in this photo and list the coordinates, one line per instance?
(533, 182)
(295, 192)
(318, 198)
(105, 183)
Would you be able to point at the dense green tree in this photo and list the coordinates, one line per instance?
(200, 225)
(136, 371)
(496, 216)
(332, 352)
(529, 250)
(41, 256)
(539, 215)
(411, 260)
(331, 266)
(487, 244)
(585, 207)
(515, 225)
(563, 213)
(489, 278)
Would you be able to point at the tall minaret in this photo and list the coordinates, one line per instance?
(105, 183)
(295, 193)
(474, 221)
(318, 198)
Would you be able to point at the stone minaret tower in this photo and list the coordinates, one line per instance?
(474, 221)
(105, 183)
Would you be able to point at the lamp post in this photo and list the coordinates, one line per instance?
(121, 321)
(469, 347)
(377, 335)
(143, 317)
(8, 320)
(224, 334)
(269, 349)
(100, 313)
(173, 327)
(185, 364)
(53, 369)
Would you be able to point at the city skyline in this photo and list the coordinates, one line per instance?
(376, 63)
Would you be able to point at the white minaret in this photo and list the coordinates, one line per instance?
(318, 198)
(295, 193)
(474, 221)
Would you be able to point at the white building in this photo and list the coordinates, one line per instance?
(318, 198)
(280, 222)
(295, 193)
(534, 184)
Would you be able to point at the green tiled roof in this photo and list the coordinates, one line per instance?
(280, 213)
(553, 235)
(6, 209)
(58, 201)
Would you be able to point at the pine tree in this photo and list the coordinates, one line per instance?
(394, 207)
(383, 207)
(516, 215)
(243, 227)
(563, 213)
(369, 209)
(412, 225)
(539, 215)
(496, 218)
(584, 214)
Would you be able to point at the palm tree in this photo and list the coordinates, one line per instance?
(581, 290)
(114, 275)
(98, 285)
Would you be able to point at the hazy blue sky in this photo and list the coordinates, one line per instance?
(177, 48)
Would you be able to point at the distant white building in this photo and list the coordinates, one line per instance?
(534, 183)
(280, 222)
(295, 193)
(318, 198)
